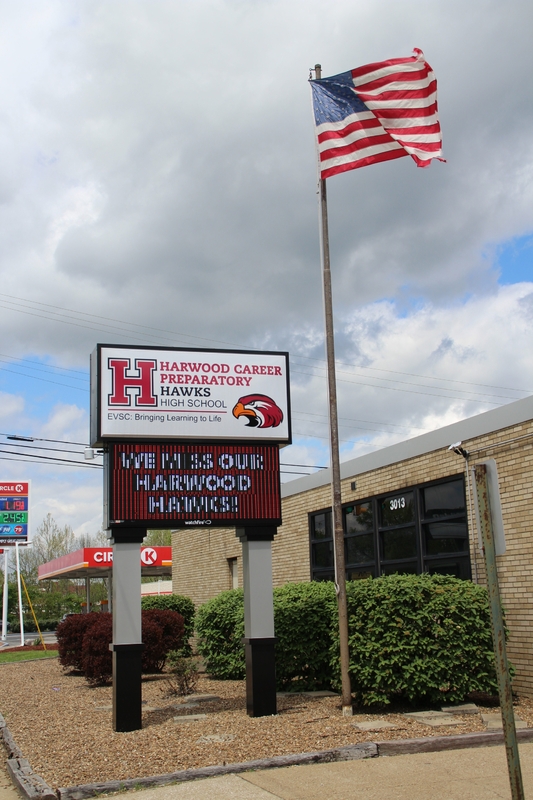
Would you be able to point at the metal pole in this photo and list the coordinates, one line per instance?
(338, 529)
(498, 633)
(21, 613)
(5, 596)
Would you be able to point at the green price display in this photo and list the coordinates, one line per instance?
(13, 517)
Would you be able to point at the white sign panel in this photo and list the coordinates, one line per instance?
(168, 393)
(495, 507)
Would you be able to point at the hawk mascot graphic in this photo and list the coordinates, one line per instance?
(260, 411)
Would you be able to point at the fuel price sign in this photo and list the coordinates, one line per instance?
(14, 512)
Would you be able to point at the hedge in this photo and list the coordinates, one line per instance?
(84, 639)
(220, 628)
(420, 638)
(69, 635)
(30, 627)
(304, 614)
(174, 602)
(423, 638)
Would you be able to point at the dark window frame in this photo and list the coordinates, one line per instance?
(378, 566)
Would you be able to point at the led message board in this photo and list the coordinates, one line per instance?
(180, 485)
(161, 394)
(14, 512)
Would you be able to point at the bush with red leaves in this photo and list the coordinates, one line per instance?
(84, 639)
(70, 633)
(162, 631)
(96, 657)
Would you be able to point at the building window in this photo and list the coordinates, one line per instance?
(322, 547)
(359, 541)
(233, 573)
(420, 529)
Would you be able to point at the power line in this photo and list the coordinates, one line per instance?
(60, 309)
(56, 463)
(426, 377)
(94, 319)
(411, 391)
(14, 360)
(38, 439)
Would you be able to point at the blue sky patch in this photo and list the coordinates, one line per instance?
(514, 260)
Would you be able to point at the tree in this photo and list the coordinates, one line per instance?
(157, 538)
(49, 542)
(51, 599)
(98, 539)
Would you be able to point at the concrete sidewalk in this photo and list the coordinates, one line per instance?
(475, 774)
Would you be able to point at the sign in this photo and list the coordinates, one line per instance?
(89, 560)
(150, 556)
(493, 488)
(14, 512)
(161, 394)
(179, 485)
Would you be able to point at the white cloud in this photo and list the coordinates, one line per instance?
(10, 407)
(157, 169)
(67, 422)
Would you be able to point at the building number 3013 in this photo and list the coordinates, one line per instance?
(396, 503)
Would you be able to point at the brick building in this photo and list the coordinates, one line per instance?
(407, 508)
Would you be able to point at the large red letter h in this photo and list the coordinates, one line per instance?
(141, 384)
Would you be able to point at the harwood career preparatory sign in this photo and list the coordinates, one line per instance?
(169, 393)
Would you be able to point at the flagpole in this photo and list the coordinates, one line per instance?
(338, 528)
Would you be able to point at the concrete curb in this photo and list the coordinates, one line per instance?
(350, 753)
(33, 787)
(27, 781)
(461, 741)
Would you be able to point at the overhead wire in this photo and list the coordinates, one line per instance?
(57, 314)
(94, 320)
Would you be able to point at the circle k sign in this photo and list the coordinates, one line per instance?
(148, 556)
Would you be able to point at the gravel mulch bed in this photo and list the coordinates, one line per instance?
(64, 727)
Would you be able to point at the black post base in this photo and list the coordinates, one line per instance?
(260, 677)
(127, 692)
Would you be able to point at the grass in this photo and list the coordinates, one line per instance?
(9, 658)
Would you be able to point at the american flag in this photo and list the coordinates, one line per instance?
(376, 113)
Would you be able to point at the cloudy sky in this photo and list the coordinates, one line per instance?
(158, 186)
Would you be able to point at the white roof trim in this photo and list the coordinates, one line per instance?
(488, 422)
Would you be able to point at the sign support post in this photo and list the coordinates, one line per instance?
(21, 610)
(5, 596)
(259, 639)
(127, 635)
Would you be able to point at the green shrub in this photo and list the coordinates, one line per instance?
(29, 625)
(174, 602)
(420, 638)
(181, 674)
(304, 614)
(220, 629)
(303, 617)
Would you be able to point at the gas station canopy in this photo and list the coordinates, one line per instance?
(97, 562)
